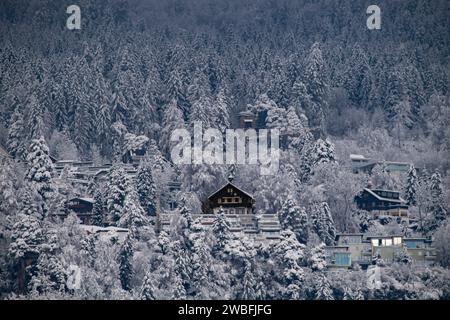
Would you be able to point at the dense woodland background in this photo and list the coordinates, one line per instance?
(310, 68)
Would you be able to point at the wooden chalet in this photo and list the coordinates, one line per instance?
(382, 202)
(82, 207)
(231, 199)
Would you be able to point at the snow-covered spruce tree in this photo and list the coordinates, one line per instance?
(313, 155)
(50, 273)
(314, 77)
(437, 210)
(221, 234)
(125, 260)
(294, 218)
(186, 220)
(179, 292)
(35, 118)
(323, 152)
(8, 196)
(183, 266)
(98, 209)
(40, 168)
(132, 215)
(146, 189)
(172, 120)
(248, 282)
(222, 113)
(16, 131)
(148, 287)
(26, 238)
(289, 254)
(442, 244)
(200, 260)
(411, 186)
(115, 193)
(322, 288)
(323, 223)
(316, 258)
(30, 202)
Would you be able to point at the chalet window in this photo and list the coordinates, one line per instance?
(387, 242)
(397, 241)
(230, 190)
(375, 242)
(220, 200)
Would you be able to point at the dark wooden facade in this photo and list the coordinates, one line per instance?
(82, 208)
(382, 202)
(232, 199)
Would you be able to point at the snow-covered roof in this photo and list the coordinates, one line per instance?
(232, 185)
(357, 157)
(399, 200)
(384, 236)
(91, 200)
(96, 229)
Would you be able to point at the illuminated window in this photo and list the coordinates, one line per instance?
(397, 241)
(375, 242)
(387, 242)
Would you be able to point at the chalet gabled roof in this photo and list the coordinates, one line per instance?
(85, 199)
(371, 192)
(232, 185)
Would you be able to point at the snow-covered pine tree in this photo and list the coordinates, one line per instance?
(132, 215)
(294, 218)
(323, 152)
(200, 260)
(316, 258)
(248, 282)
(222, 113)
(40, 168)
(179, 292)
(98, 210)
(31, 202)
(16, 139)
(172, 120)
(322, 288)
(24, 249)
(315, 78)
(315, 154)
(50, 273)
(8, 197)
(411, 186)
(183, 266)
(125, 260)
(148, 288)
(35, 118)
(289, 254)
(323, 223)
(438, 213)
(146, 189)
(186, 220)
(221, 234)
(115, 193)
